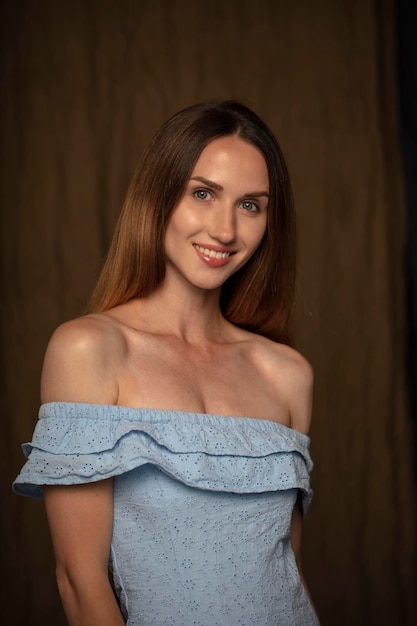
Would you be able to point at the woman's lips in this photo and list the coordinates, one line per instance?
(213, 256)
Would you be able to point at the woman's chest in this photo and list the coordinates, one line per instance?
(226, 381)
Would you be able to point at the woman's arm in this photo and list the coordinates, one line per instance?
(300, 399)
(296, 533)
(80, 520)
(79, 368)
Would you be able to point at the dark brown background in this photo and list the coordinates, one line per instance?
(84, 85)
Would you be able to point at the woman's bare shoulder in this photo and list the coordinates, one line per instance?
(278, 355)
(292, 376)
(81, 361)
(293, 362)
(298, 376)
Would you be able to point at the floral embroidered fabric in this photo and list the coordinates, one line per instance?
(202, 509)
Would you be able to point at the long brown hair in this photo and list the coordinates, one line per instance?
(257, 297)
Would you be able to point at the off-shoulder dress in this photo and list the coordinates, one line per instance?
(202, 509)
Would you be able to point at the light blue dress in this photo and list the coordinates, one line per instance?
(202, 509)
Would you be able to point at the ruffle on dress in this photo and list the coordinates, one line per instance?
(76, 443)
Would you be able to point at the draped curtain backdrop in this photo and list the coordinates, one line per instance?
(84, 84)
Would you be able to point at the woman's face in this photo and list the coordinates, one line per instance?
(221, 218)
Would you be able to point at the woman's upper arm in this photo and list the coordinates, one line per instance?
(300, 393)
(80, 518)
(77, 368)
(296, 530)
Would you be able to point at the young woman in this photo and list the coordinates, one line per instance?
(172, 444)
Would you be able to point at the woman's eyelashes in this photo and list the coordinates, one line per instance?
(206, 194)
(202, 194)
(249, 205)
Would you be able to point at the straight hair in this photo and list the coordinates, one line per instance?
(259, 296)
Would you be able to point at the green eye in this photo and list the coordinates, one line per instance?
(201, 194)
(249, 206)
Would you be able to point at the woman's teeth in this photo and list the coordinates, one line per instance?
(212, 253)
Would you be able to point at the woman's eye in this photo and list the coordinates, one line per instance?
(248, 205)
(202, 194)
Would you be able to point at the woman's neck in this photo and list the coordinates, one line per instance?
(189, 313)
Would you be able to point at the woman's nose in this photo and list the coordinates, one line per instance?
(223, 224)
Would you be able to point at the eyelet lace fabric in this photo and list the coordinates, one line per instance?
(202, 509)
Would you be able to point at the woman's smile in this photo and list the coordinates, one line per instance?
(213, 256)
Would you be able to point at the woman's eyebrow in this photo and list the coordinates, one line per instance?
(207, 182)
(213, 185)
(256, 194)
